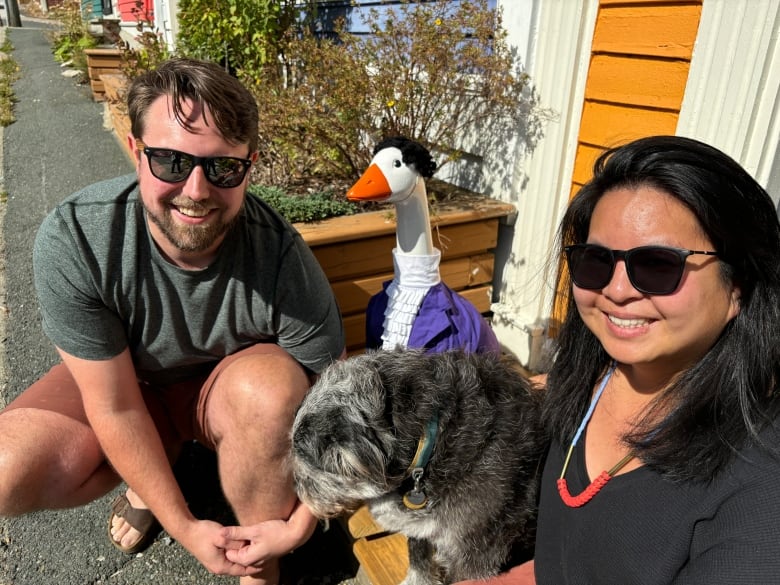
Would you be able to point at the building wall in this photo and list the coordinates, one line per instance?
(129, 9)
(609, 71)
(89, 8)
(639, 64)
(615, 70)
(732, 99)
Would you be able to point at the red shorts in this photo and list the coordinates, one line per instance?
(178, 410)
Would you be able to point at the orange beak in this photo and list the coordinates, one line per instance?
(371, 186)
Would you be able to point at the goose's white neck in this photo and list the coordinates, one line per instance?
(413, 223)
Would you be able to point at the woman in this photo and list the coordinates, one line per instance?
(662, 400)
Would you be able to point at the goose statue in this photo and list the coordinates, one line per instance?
(415, 309)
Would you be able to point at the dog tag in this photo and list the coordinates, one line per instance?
(414, 499)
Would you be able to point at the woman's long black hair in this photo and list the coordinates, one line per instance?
(723, 401)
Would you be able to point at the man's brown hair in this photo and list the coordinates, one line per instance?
(232, 106)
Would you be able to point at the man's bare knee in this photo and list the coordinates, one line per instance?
(18, 483)
(44, 459)
(258, 393)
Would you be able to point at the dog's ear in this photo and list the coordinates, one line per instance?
(412, 392)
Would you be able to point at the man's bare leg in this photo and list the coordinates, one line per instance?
(250, 413)
(49, 461)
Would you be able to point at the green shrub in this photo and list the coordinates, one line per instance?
(9, 71)
(311, 207)
(243, 35)
(74, 37)
(435, 73)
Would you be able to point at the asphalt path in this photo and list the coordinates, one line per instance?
(57, 145)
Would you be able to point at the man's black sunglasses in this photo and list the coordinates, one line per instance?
(174, 166)
(653, 270)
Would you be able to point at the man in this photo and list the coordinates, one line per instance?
(182, 309)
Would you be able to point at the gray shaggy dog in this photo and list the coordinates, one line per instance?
(445, 448)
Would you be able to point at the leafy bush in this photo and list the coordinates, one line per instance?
(435, 73)
(74, 37)
(243, 35)
(311, 207)
(150, 48)
(9, 71)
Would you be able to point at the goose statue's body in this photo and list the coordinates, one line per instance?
(415, 309)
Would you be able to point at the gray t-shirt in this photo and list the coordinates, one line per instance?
(103, 286)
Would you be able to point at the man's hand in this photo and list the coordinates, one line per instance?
(206, 542)
(268, 540)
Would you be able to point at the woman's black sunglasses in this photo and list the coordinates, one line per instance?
(174, 166)
(653, 270)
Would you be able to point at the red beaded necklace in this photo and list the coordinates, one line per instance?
(602, 479)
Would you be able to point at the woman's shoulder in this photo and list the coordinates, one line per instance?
(752, 475)
(761, 452)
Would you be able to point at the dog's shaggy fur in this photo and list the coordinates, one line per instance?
(357, 432)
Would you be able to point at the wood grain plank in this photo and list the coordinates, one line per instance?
(384, 560)
(608, 125)
(351, 259)
(353, 295)
(660, 30)
(656, 83)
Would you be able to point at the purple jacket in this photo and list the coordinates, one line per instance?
(444, 322)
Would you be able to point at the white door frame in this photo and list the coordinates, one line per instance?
(165, 20)
(558, 52)
(731, 99)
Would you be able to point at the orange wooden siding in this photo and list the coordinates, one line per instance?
(651, 29)
(637, 81)
(640, 57)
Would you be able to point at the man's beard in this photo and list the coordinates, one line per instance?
(190, 238)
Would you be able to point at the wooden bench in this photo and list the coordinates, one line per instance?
(382, 555)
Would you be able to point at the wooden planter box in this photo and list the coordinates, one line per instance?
(101, 61)
(115, 88)
(356, 254)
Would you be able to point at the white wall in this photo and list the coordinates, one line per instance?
(731, 99)
(165, 20)
(558, 45)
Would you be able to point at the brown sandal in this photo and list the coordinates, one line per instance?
(140, 519)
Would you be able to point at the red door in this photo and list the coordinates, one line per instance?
(135, 10)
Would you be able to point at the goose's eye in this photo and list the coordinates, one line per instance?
(397, 163)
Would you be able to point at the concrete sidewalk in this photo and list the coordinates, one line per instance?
(57, 145)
